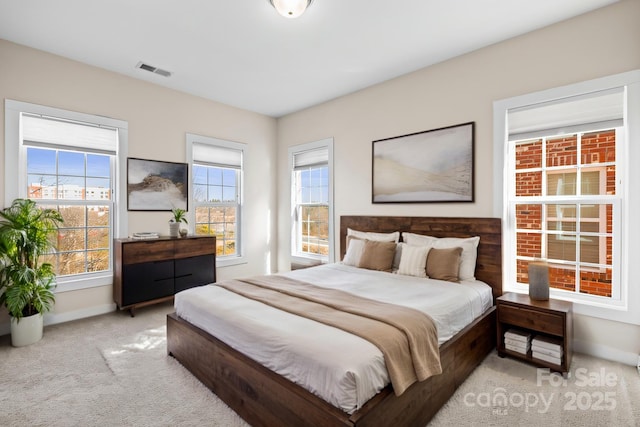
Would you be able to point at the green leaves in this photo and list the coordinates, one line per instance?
(31, 291)
(179, 215)
(26, 233)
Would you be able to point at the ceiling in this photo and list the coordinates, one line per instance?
(242, 53)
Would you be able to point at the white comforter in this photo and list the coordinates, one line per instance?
(341, 368)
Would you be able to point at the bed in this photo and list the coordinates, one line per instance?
(264, 398)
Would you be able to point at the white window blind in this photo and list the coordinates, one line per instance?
(55, 133)
(595, 110)
(310, 158)
(213, 155)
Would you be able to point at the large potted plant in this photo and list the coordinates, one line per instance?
(26, 282)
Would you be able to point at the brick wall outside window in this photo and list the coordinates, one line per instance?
(597, 151)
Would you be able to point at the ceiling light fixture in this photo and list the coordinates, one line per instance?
(290, 8)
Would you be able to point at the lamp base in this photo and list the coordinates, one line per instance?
(539, 292)
(539, 281)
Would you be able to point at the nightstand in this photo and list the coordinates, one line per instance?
(551, 320)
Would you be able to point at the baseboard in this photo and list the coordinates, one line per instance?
(55, 318)
(604, 352)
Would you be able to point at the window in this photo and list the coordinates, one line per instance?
(67, 161)
(311, 199)
(217, 193)
(564, 206)
(78, 185)
(564, 195)
(593, 219)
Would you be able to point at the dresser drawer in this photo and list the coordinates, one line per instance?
(531, 319)
(148, 281)
(185, 248)
(194, 271)
(145, 251)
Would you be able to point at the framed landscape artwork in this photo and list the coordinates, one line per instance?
(156, 186)
(430, 166)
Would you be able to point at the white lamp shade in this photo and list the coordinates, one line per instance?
(290, 8)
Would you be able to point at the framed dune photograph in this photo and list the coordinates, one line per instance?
(156, 186)
(432, 166)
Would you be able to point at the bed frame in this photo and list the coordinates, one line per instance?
(263, 398)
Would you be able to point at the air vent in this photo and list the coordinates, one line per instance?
(153, 69)
(162, 72)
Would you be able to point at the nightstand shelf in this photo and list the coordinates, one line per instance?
(549, 319)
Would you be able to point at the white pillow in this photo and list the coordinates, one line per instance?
(469, 250)
(397, 257)
(413, 261)
(354, 252)
(418, 239)
(378, 237)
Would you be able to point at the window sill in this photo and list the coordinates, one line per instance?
(70, 284)
(615, 310)
(229, 261)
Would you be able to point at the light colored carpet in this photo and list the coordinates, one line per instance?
(507, 392)
(110, 370)
(114, 370)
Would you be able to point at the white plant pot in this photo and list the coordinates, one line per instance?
(27, 331)
(174, 229)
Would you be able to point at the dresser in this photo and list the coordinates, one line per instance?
(153, 270)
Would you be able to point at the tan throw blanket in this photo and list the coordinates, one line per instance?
(406, 337)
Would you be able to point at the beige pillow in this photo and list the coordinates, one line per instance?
(444, 264)
(377, 255)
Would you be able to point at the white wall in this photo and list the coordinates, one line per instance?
(600, 43)
(158, 120)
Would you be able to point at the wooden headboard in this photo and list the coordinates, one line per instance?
(489, 262)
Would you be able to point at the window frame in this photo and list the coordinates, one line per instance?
(191, 139)
(87, 204)
(298, 257)
(575, 200)
(298, 240)
(16, 165)
(627, 307)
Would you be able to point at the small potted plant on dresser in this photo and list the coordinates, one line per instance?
(27, 283)
(179, 215)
